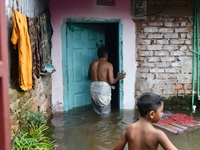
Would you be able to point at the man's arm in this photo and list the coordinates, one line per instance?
(111, 79)
(165, 142)
(122, 142)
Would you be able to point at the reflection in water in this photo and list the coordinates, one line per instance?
(82, 129)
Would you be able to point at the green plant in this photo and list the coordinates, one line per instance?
(33, 133)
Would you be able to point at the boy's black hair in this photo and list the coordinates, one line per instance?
(102, 52)
(149, 102)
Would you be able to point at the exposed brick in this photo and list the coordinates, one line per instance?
(154, 47)
(141, 24)
(157, 81)
(170, 47)
(177, 53)
(187, 86)
(183, 24)
(139, 30)
(186, 19)
(178, 86)
(170, 92)
(190, 25)
(184, 92)
(185, 81)
(166, 30)
(137, 93)
(188, 53)
(188, 92)
(139, 58)
(183, 35)
(171, 70)
(14, 118)
(172, 81)
(155, 24)
(141, 47)
(184, 30)
(145, 53)
(161, 53)
(163, 65)
(144, 41)
(153, 59)
(156, 70)
(189, 42)
(167, 59)
(177, 42)
(147, 65)
(155, 36)
(142, 36)
(184, 59)
(173, 76)
(171, 24)
(171, 35)
(152, 18)
(189, 35)
(143, 70)
(165, 42)
(151, 29)
(162, 76)
(183, 47)
(15, 128)
(175, 64)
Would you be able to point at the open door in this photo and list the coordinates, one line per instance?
(83, 40)
(80, 43)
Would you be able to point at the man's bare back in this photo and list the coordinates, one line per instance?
(102, 70)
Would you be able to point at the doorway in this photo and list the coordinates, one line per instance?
(80, 42)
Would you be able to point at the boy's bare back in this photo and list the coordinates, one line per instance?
(143, 136)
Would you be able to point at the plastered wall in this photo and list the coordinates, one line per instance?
(88, 9)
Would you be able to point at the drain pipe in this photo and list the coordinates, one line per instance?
(198, 57)
(193, 65)
(197, 49)
(194, 53)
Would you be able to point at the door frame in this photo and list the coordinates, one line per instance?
(64, 54)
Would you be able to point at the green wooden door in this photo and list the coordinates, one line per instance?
(83, 40)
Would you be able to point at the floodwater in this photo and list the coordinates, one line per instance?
(82, 129)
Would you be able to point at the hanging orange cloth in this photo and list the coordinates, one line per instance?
(21, 40)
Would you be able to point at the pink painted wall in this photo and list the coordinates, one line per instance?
(62, 9)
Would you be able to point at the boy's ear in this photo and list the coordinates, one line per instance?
(151, 114)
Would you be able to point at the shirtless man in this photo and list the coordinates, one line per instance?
(142, 135)
(101, 74)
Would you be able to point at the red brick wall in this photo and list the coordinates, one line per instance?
(164, 57)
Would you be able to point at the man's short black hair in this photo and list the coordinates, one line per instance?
(102, 52)
(149, 102)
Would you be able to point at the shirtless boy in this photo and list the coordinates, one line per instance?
(101, 74)
(142, 135)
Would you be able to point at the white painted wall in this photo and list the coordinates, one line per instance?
(88, 9)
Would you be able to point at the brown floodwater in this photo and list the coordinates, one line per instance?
(82, 129)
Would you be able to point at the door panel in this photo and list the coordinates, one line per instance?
(83, 40)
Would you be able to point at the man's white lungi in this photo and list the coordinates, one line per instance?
(100, 92)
